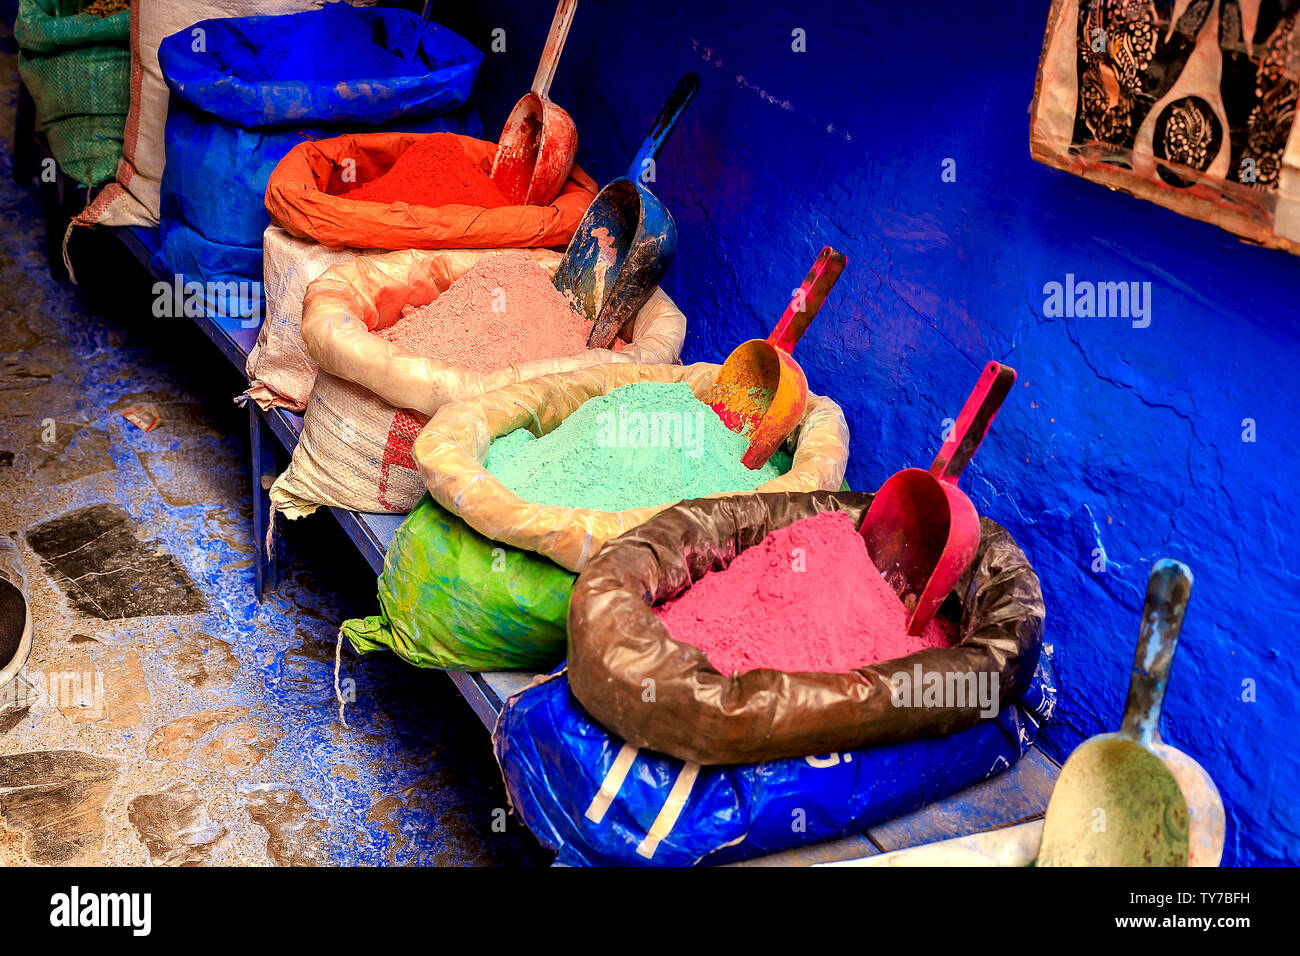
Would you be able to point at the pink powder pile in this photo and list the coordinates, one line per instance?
(503, 311)
(836, 614)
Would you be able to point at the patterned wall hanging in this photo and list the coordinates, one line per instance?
(1187, 103)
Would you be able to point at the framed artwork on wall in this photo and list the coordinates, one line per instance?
(1187, 103)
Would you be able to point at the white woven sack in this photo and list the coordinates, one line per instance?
(132, 199)
(280, 372)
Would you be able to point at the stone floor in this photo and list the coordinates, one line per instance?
(166, 716)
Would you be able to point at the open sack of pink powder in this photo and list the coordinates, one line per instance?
(399, 335)
(754, 628)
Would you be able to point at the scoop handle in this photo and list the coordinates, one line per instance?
(1168, 590)
(807, 300)
(678, 100)
(545, 74)
(419, 31)
(974, 421)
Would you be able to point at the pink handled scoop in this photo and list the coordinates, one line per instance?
(921, 530)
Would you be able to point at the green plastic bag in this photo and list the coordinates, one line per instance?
(451, 598)
(77, 68)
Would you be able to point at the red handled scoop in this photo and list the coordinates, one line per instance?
(921, 530)
(761, 391)
(539, 140)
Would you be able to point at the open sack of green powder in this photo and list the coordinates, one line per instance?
(561, 464)
(451, 598)
(399, 335)
(466, 583)
(671, 624)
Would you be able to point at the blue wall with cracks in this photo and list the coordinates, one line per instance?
(1116, 438)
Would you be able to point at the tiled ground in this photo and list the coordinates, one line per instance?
(166, 716)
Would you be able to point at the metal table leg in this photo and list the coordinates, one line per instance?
(262, 445)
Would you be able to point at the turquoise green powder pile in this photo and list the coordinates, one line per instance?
(645, 444)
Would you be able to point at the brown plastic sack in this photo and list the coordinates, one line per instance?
(300, 197)
(616, 644)
(372, 396)
(451, 450)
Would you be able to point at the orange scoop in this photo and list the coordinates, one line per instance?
(761, 391)
(539, 140)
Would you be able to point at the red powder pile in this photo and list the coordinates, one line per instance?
(503, 311)
(433, 171)
(762, 611)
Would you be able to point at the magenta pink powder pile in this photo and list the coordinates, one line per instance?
(762, 611)
(503, 311)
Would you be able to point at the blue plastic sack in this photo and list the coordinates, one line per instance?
(562, 770)
(259, 86)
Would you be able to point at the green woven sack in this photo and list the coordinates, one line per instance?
(451, 598)
(77, 68)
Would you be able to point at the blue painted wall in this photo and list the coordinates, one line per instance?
(1115, 438)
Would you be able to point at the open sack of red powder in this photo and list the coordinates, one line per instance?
(399, 335)
(620, 645)
(361, 191)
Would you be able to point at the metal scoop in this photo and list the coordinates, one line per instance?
(626, 240)
(1127, 799)
(921, 530)
(1122, 799)
(539, 140)
(761, 391)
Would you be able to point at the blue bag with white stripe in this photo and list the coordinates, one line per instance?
(598, 801)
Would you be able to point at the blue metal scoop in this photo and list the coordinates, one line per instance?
(625, 242)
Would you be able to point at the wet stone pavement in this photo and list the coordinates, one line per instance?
(166, 717)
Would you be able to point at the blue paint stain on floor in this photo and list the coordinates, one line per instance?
(212, 736)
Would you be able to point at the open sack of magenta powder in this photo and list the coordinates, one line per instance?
(743, 629)
(399, 335)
